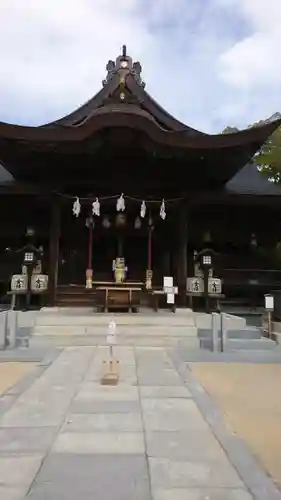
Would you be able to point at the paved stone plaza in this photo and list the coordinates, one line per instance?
(156, 436)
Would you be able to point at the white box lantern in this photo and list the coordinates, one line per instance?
(39, 283)
(19, 283)
(269, 302)
(195, 285)
(214, 286)
(168, 282)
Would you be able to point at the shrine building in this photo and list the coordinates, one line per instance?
(120, 180)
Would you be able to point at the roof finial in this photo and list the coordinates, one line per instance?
(124, 51)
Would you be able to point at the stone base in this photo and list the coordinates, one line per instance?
(110, 379)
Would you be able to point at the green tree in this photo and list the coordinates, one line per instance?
(269, 157)
(230, 130)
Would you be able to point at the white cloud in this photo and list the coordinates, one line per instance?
(254, 62)
(54, 52)
(53, 55)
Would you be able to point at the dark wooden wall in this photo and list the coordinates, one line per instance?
(230, 226)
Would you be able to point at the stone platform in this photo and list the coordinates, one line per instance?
(68, 326)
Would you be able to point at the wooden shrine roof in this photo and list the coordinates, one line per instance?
(124, 105)
(250, 181)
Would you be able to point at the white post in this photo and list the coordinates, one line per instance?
(111, 340)
(215, 329)
(269, 324)
(111, 376)
(13, 327)
(269, 307)
(3, 329)
(223, 332)
(13, 301)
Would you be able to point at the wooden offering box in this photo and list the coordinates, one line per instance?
(115, 297)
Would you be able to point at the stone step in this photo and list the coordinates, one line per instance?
(204, 321)
(246, 333)
(251, 344)
(165, 319)
(60, 340)
(130, 329)
(241, 345)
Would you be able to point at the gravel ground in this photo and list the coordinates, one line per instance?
(249, 395)
(13, 372)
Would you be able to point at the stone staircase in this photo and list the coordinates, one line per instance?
(81, 326)
(68, 326)
(239, 336)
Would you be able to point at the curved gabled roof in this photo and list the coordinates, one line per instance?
(131, 116)
(136, 87)
(145, 102)
(124, 103)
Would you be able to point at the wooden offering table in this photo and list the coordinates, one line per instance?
(124, 296)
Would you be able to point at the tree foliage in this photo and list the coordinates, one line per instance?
(269, 157)
(230, 130)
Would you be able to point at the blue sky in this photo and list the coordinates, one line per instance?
(211, 63)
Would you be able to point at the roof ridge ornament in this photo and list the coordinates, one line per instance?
(124, 66)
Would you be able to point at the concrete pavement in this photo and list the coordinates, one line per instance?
(150, 438)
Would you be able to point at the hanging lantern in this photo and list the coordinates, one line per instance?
(120, 205)
(120, 220)
(254, 242)
(143, 209)
(150, 222)
(90, 222)
(163, 210)
(96, 207)
(76, 207)
(30, 232)
(106, 223)
(137, 223)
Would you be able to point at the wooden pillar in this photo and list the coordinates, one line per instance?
(54, 248)
(182, 254)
